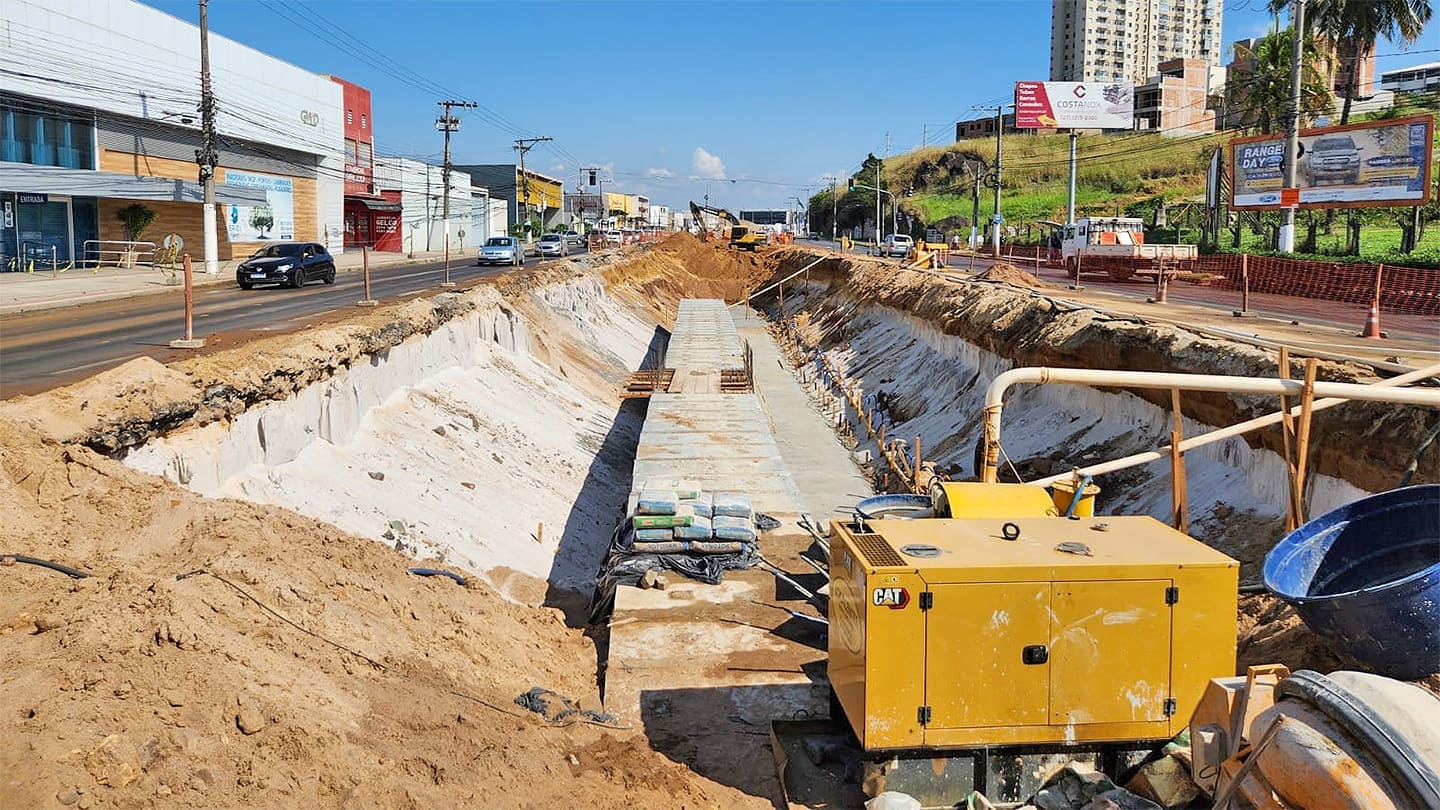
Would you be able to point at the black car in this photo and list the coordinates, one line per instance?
(290, 264)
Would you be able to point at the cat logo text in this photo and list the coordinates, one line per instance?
(893, 598)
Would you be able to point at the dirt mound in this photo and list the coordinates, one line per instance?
(1010, 274)
(684, 267)
(230, 654)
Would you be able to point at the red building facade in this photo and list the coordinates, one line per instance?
(370, 220)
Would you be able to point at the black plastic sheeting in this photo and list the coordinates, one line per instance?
(623, 566)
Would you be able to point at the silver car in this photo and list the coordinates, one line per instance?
(553, 244)
(502, 250)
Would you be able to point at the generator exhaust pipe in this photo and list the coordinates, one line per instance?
(1216, 383)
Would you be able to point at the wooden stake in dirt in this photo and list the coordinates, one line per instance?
(540, 533)
(1179, 497)
(1287, 437)
(915, 482)
(1302, 439)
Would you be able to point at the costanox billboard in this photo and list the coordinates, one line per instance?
(1074, 105)
(1377, 163)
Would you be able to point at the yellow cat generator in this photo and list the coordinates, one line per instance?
(1000, 627)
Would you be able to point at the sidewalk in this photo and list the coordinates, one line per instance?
(24, 292)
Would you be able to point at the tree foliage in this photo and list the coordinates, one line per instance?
(134, 219)
(1260, 89)
(1354, 26)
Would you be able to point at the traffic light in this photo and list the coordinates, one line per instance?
(852, 183)
(909, 191)
(592, 177)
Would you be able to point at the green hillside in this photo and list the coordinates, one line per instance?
(1122, 173)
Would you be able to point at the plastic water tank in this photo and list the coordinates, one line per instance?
(1366, 576)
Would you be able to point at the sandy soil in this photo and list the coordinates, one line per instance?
(306, 664)
(684, 267)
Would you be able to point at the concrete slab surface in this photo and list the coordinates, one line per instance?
(705, 668)
(704, 337)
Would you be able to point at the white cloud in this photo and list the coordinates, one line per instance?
(708, 166)
(659, 173)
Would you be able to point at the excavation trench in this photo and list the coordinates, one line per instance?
(920, 351)
(483, 432)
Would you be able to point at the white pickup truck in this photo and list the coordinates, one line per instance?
(1116, 246)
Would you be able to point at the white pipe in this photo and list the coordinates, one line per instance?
(1231, 431)
(995, 394)
(778, 283)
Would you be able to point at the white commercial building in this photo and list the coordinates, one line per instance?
(1126, 40)
(420, 187)
(99, 111)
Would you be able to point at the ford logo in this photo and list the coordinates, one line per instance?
(1269, 198)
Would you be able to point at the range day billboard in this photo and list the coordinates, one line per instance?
(1377, 163)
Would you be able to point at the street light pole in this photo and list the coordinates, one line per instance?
(1292, 123)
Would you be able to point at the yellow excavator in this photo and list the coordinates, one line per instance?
(741, 234)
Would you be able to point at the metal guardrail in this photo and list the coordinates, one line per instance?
(41, 255)
(98, 253)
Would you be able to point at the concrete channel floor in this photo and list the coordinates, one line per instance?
(704, 669)
(823, 467)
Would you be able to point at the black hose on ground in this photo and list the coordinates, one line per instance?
(438, 572)
(73, 573)
(1419, 451)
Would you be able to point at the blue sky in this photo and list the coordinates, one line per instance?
(771, 95)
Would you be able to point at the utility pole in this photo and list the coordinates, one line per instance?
(878, 197)
(205, 156)
(975, 175)
(880, 211)
(1292, 123)
(1070, 203)
(834, 205)
(447, 124)
(999, 150)
(523, 145)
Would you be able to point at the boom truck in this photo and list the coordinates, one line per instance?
(1116, 246)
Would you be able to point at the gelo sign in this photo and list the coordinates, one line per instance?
(310, 118)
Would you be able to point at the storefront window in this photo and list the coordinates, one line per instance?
(30, 134)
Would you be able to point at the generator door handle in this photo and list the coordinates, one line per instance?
(1035, 654)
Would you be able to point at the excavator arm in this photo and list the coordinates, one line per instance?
(699, 211)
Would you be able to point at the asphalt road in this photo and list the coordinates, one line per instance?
(50, 348)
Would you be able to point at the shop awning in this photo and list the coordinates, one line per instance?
(375, 204)
(28, 179)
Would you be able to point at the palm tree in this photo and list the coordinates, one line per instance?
(1260, 88)
(1355, 25)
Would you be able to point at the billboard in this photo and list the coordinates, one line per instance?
(1376, 163)
(259, 223)
(1074, 105)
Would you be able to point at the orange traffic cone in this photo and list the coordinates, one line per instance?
(1372, 323)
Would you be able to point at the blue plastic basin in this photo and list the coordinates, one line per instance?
(1366, 576)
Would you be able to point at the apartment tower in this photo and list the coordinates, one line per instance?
(1126, 40)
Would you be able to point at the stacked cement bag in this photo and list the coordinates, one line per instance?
(675, 516)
